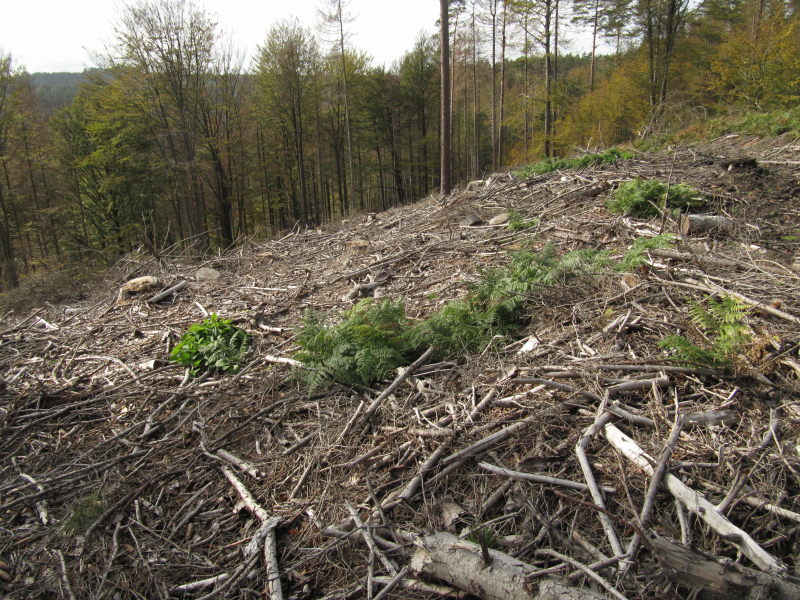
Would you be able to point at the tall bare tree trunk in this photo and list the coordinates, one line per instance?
(493, 12)
(595, 21)
(444, 42)
(475, 100)
(348, 128)
(502, 86)
(548, 81)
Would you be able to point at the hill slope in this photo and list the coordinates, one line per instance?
(122, 477)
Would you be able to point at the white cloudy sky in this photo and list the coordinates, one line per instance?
(57, 35)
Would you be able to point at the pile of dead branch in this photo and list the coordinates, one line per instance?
(574, 459)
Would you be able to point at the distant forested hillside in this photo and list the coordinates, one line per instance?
(55, 90)
(175, 139)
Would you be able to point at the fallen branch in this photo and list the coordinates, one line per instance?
(696, 503)
(168, 292)
(266, 533)
(575, 485)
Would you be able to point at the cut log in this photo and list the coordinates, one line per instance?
(461, 564)
(693, 224)
(728, 581)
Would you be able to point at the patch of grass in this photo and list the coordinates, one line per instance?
(548, 165)
(213, 345)
(644, 197)
(764, 124)
(484, 536)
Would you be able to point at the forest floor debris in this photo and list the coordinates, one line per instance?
(123, 477)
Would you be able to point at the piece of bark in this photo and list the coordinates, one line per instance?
(460, 563)
(720, 581)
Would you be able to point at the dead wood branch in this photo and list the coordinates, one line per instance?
(696, 503)
(722, 581)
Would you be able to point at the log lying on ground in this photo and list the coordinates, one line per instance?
(728, 581)
(693, 224)
(460, 563)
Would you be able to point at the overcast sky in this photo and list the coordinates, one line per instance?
(57, 35)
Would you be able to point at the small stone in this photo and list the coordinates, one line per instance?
(207, 274)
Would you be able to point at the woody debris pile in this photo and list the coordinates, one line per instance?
(635, 435)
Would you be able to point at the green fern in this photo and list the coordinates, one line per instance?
(725, 334)
(459, 326)
(548, 165)
(364, 346)
(366, 343)
(637, 255)
(516, 222)
(643, 197)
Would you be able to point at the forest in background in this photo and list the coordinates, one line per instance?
(174, 142)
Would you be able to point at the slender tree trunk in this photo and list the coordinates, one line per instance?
(548, 81)
(502, 87)
(444, 41)
(348, 129)
(526, 95)
(475, 101)
(10, 277)
(493, 10)
(595, 20)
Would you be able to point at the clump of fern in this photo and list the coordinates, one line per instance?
(212, 345)
(460, 326)
(361, 347)
(548, 165)
(645, 197)
(637, 255)
(722, 336)
(366, 343)
(500, 303)
(516, 222)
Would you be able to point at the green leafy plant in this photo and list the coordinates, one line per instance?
(548, 165)
(644, 197)
(722, 332)
(516, 222)
(213, 345)
(459, 326)
(500, 302)
(363, 346)
(637, 255)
